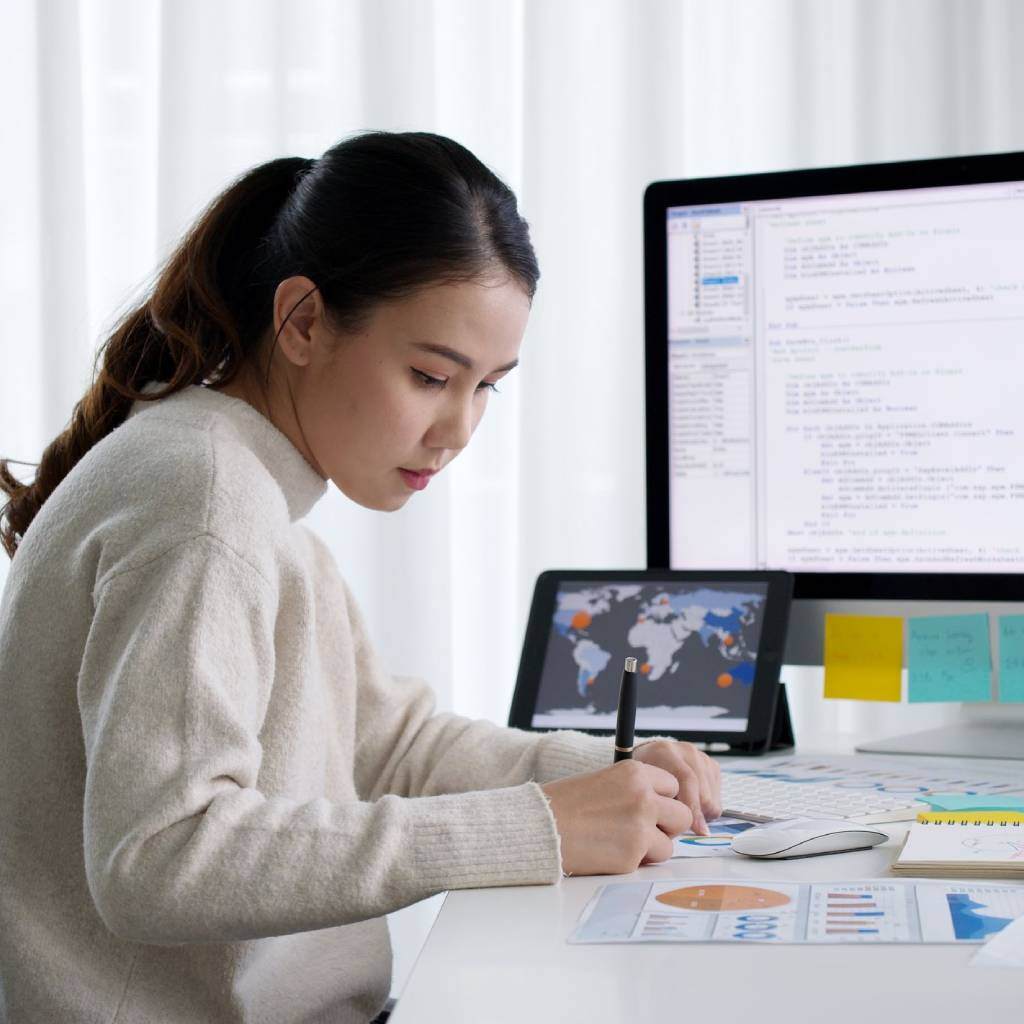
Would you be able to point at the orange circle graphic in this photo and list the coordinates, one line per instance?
(724, 680)
(722, 897)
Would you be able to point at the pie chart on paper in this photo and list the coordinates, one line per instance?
(712, 840)
(717, 898)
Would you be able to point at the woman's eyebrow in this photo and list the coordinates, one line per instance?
(458, 357)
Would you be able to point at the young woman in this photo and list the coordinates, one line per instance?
(211, 791)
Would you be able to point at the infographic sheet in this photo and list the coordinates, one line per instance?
(717, 844)
(728, 910)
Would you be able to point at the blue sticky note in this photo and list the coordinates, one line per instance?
(949, 658)
(1011, 657)
(972, 802)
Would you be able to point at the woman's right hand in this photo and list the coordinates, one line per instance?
(615, 819)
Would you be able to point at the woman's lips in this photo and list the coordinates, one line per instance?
(417, 481)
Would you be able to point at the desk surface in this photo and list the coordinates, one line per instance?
(500, 955)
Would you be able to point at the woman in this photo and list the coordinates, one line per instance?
(210, 790)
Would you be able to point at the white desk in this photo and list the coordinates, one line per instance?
(500, 955)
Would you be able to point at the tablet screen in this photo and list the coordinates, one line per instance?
(696, 645)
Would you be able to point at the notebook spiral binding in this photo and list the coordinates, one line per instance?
(961, 822)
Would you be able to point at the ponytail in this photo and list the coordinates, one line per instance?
(375, 218)
(187, 332)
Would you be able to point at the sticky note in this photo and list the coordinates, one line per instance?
(1011, 658)
(863, 656)
(948, 658)
(971, 802)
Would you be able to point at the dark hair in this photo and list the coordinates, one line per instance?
(378, 216)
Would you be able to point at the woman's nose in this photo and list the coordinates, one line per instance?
(456, 428)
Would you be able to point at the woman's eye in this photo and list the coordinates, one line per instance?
(427, 381)
(439, 382)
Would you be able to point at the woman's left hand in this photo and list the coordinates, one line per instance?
(700, 778)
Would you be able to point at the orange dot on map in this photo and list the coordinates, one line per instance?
(724, 680)
(646, 668)
(728, 640)
(581, 620)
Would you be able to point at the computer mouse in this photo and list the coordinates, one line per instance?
(805, 837)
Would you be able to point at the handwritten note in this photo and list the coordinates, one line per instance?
(863, 657)
(1011, 658)
(949, 658)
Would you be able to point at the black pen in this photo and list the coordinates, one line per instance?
(625, 717)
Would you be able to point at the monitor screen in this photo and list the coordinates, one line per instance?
(696, 645)
(842, 371)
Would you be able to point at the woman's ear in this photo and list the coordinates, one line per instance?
(298, 309)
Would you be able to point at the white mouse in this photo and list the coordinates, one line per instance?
(804, 837)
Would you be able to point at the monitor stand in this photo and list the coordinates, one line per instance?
(1002, 739)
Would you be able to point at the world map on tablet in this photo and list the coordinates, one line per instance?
(695, 645)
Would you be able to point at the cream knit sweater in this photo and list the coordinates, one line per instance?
(211, 790)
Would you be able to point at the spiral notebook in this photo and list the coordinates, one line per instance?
(979, 844)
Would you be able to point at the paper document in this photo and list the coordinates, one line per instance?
(718, 844)
(1004, 949)
(731, 910)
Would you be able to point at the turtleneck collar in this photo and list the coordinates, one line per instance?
(302, 485)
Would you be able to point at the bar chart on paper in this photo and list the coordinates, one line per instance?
(862, 912)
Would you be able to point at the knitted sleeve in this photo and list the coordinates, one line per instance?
(181, 844)
(404, 747)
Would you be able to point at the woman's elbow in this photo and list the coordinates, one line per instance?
(137, 903)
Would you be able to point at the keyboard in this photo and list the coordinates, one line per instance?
(760, 799)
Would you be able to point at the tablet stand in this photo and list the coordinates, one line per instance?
(780, 729)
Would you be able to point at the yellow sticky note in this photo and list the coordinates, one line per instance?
(863, 657)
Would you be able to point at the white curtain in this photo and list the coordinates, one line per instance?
(122, 118)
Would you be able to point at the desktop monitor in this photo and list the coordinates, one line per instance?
(833, 379)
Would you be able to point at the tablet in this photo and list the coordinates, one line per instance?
(709, 647)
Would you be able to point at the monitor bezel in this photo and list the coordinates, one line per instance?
(826, 181)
